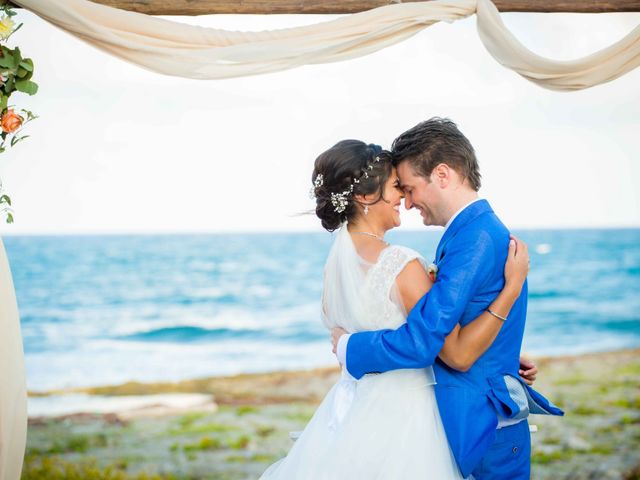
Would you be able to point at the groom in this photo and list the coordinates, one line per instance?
(484, 409)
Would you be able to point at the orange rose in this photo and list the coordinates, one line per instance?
(11, 121)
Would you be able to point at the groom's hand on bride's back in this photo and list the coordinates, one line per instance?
(528, 370)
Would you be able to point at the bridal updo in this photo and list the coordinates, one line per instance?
(347, 169)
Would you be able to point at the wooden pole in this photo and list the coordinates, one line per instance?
(204, 7)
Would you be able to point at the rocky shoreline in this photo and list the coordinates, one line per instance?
(236, 426)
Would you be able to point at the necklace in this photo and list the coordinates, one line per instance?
(370, 234)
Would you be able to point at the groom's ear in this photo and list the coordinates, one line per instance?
(442, 175)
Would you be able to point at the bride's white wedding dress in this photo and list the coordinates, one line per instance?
(384, 426)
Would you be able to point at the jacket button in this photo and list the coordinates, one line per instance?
(515, 450)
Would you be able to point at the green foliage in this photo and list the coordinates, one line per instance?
(245, 409)
(544, 458)
(240, 443)
(27, 86)
(189, 418)
(571, 381)
(205, 443)
(265, 430)
(601, 450)
(213, 443)
(73, 444)
(202, 428)
(566, 453)
(586, 410)
(16, 74)
(186, 424)
(632, 369)
(631, 403)
(552, 441)
(56, 468)
(236, 459)
(263, 458)
(300, 416)
(258, 457)
(5, 203)
(629, 420)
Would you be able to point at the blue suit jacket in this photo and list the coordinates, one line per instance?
(470, 259)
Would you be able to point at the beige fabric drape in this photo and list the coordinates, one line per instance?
(174, 48)
(13, 390)
(600, 67)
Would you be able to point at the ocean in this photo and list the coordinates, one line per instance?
(108, 309)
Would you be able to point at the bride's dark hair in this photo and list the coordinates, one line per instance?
(342, 166)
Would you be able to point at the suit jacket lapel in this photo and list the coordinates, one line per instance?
(464, 217)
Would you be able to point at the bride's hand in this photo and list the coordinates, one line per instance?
(517, 266)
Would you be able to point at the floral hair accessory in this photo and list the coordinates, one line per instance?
(340, 201)
(317, 183)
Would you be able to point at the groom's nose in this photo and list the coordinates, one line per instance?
(407, 201)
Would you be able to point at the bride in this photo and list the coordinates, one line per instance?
(384, 426)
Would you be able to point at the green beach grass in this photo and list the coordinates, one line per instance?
(599, 438)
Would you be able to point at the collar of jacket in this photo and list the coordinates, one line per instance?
(465, 217)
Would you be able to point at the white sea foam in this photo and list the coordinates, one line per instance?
(543, 248)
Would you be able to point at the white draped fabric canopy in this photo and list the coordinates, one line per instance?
(173, 48)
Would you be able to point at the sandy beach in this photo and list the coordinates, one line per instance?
(233, 427)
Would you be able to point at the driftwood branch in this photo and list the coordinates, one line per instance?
(204, 7)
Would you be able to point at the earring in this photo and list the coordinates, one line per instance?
(366, 209)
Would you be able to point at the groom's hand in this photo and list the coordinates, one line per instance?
(336, 333)
(528, 370)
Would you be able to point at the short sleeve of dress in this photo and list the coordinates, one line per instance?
(381, 282)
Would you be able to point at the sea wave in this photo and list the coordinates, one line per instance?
(114, 308)
(188, 334)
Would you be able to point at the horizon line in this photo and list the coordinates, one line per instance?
(430, 229)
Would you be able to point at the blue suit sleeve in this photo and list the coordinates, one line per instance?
(416, 344)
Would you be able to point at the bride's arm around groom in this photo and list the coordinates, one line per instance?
(463, 346)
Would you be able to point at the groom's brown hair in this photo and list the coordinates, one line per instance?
(435, 141)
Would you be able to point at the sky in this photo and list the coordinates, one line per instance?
(118, 149)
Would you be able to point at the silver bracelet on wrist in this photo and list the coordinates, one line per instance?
(504, 319)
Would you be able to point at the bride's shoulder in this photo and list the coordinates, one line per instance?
(395, 259)
(402, 253)
(397, 265)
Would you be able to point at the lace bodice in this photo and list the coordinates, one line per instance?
(384, 307)
(358, 295)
